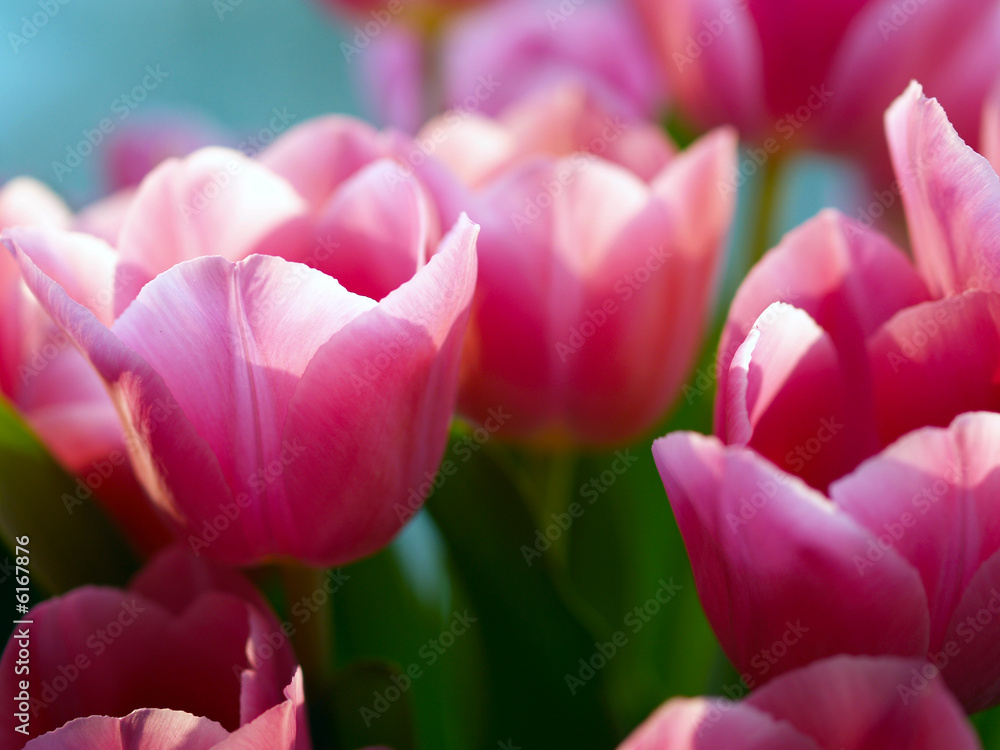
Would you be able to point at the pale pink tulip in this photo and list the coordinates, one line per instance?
(188, 657)
(782, 70)
(53, 387)
(837, 704)
(504, 52)
(595, 282)
(273, 411)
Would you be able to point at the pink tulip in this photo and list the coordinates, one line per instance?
(595, 283)
(46, 379)
(838, 704)
(841, 365)
(782, 69)
(138, 145)
(273, 411)
(509, 50)
(188, 654)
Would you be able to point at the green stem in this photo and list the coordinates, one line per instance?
(313, 636)
(767, 206)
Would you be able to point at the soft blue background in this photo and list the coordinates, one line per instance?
(264, 54)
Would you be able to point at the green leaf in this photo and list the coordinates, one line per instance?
(69, 546)
(352, 687)
(532, 639)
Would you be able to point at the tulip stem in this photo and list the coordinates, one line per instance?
(767, 208)
(310, 612)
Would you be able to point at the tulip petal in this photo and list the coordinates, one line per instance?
(373, 407)
(318, 155)
(951, 195)
(722, 82)
(27, 202)
(990, 137)
(848, 278)
(971, 645)
(776, 563)
(791, 401)
(852, 702)
(893, 39)
(231, 342)
(936, 360)
(282, 727)
(144, 729)
(931, 497)
(106, 217)
(706, 724)
(380, 226)
(214, 202)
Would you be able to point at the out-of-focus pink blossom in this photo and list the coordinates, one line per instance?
(189, 656)
(595, 282)
(782, 69)
(837, 704)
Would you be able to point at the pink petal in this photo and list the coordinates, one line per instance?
(231, 342)
(848, 278)
(391, 71)
(708, 724)
(951, 195)
(27, 202)
(144, 729)
(776, 564)
(156, 424)
(856, 703)
(886, 48)
(930, 496)
(969, 652)
(112, 641)
(790, 399)
(935, 361)
(318, 155)
(214, 202)
(660, 270)
(380, 227)
(721, 82)
(990, 137)
(106, 217)
(283, 727)
(372, 411)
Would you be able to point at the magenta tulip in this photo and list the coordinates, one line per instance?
(838, 704)
(188, 654)
(595, 282)
(782, 69)
(273, 411)
(56, 391)
(846, 505)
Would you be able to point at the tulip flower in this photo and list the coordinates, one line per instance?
(53, 387)
(845, 506)
(787, 71)
(524, 47)
(188, 656)
(594, 283)
(838, 704)
(138, 145)
(274, 409)
(991, 129)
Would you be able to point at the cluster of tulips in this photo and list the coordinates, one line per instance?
(268, 351)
